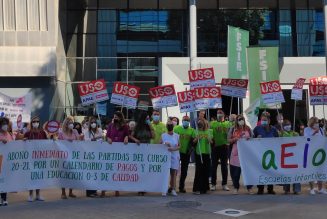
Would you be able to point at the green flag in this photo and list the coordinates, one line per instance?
(262, 66)
(238, 40)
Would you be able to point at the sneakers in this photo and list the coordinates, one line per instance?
(163, 194)
(312, 192)
(39, 198)
(30, 198)
(213, 188)
(225, 188)
(173, 192)
(3, 202)
(197, 193)
(235, 192)
(321, 191)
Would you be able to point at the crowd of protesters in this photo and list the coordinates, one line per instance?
(208, 143)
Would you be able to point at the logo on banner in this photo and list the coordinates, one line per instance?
(207, 97)
(271, 92)
(318, 94)
(52, 126)
(163, 96)
(202, 78)
(186, 101)
(297, 89)
(234, 87)
(93, 92)
(162, 91)
(125, 95)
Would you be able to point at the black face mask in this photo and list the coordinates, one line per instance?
(200, 125)
(116, 120)
(170, 127)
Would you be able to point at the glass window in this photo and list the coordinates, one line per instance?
(316, 4)
(116, 4)
(235, 4)
(143, 4)
(271, 4)
(173, 4)
(284, 4)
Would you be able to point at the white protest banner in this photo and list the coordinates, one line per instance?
(163, 96)
(234, 87)
(42, 164)
(271, 92)
(186, 101)
(289, 160)
(125, 95)
(297, 89)
(204, 77)
(93, 92)
(17, 109)
(207, 98)
(317, 90)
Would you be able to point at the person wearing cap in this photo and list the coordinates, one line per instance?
(35, 132)
(185, 133)
(220, 150)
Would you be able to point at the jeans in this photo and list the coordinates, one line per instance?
(4, 196)
(219, 153)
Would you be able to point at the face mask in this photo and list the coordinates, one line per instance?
(4, 128)
(316, 126)
(174, 123)
(116, 120)
(148, 122)
(264, 122)
(170, 127)
(200, 126)
(219, 116)
(287, 128)
(241, 122)
(155, 118)
(93, 125)
(71, 126)
(35, 125)
(186, 124)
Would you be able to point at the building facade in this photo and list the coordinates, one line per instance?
(49, 46)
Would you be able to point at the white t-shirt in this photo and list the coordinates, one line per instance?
(89, 135)
(174, 141)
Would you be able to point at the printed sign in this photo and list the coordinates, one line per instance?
(186, 101)
(93, 92)
(84, 165)
(289, 160)
(52, 126)
(207, 98)
(234, 87)
(318, 94)
(202, 78)
(163, 96)
(297, 89)
(16, 109)
(271, 92)
(125, 95)
(318, 80)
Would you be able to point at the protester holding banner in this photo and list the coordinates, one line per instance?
(203, 139)
(117, 132)
(265, 130)
(185, 133)
(5, 137)
(313, 129)
(93, 133)
(158, 127)
(240, 130)
(68, 133)
(171, 139)
(36, 132)
(287, 131)
(220, 150)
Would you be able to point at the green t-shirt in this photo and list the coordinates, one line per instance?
(220, 131)
(289, 134)
(185, 137)
(159, 129)
(204, 144)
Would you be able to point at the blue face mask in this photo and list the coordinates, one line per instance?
(186, 124)
(264, 123)
(155, 118)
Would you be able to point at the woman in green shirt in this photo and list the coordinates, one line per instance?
(203, 140)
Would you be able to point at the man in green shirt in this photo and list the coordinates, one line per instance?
(158, 127)
(185, 133)
(220, 150)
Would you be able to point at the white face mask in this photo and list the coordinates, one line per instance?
(316, 126)
(71, 126)
(4, 128)
(93, 125)
(35, 125)
(287, 128)
(241, 122)
(174, 123)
